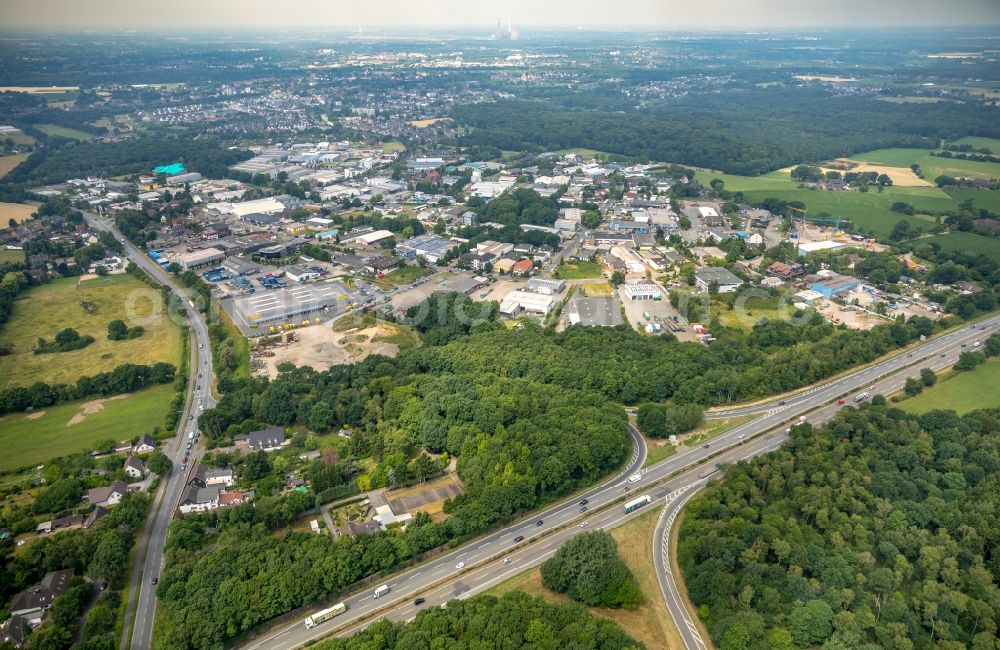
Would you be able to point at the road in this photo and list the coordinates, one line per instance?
(440, 580)
(142, 594)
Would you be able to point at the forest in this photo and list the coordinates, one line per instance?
(515, 620)
(748, 131)
(877, 530)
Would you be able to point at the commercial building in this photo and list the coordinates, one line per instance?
(835, 284)
(726, 281)
(813, 247)
(545, 287)
(430, 247)
(643, 291)
(594, 312)
(297, 273)
(286, 304)
(200, 258)
(372, 237)
(518, 301)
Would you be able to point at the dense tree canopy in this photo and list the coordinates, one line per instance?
(514, 620)
(587, 568)
(879, 529)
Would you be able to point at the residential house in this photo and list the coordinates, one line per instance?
(146, 445)
(199, 499)
(107, 496)
(365, 528)
(204, 476)
(265, 439)
(31, 603)
(786, 271)
(134, 467)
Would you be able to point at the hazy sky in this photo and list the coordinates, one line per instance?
(262, 14)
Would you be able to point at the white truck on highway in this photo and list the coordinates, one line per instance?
(380, 591)
(860, 397)
(324, 615)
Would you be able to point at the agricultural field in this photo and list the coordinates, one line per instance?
(931, 166)
(961, 392)
(54, 129)
(581, 270)
(7, 163)
(869, 211)
(19, 212)
(87, 306)
(650, 622)
(968, 242)
(993, 144)
(32, 438)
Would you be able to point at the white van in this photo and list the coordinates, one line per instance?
(635, 478)
(380, 591)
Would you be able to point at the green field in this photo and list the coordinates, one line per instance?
(966, 241)
(8, 255)
(931, 166)
(33, 438)
(961, 392)
(87, 307)
(393, 147)
(55, 129)
(868, 211)
(581, 270)
(992, 144)
(406, 275)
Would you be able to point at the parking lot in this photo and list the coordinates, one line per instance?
(660, 312)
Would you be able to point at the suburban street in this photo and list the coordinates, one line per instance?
(440, 580)
(149, 559)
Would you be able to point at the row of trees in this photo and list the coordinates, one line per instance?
(66, 340)
(876, 530)
(123, 379)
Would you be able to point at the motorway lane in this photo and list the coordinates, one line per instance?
(200, 398)
(476, 551)
(896, 362)
(483, 568)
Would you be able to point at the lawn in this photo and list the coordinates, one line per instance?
(88, 307)
(657, 450)
(393, 147)
(712, 428)
(32, 438)
(581, 270)
(649, 623)
(19, 212)
(8, 163)
(968, 242)
(406, 275)
(750, 311)
(9, 255)
(55, 129)
(961, 392)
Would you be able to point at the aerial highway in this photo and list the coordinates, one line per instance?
(482, 560)
(149, 559)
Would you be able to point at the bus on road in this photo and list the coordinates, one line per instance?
(632, 506)
(325, 615)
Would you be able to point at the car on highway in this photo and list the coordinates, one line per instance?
(506, 560)
(154, 580)
(963, 345)
(539, 522)
(519, 538)
(781, 403)
(840, 402)
(190, 417)
(419, 601)
(583, 508)
(742, 436)
(584, 502)
(584, 524)
(705, 446)
(460, 565)
(975, 344)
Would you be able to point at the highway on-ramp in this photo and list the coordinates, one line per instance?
(149, 560)
(440, 579)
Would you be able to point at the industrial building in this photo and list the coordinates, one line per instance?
(594, 312)
(643, 291)
(834, 284)
(524, 301)
(200, 258)
(297, 273)
(430, 247)
(726, 281)
(278, 306)
(369, 238)
(545, 287)
(812, 247)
